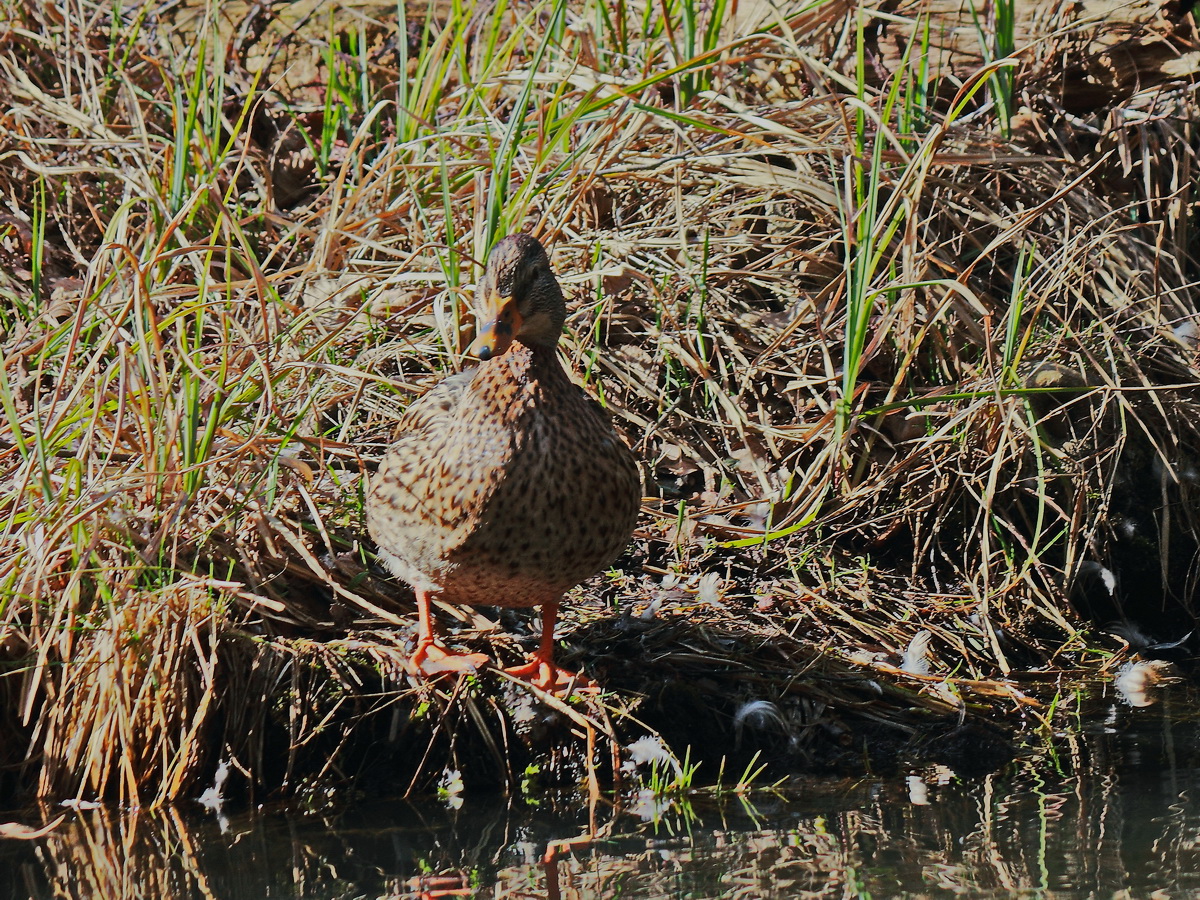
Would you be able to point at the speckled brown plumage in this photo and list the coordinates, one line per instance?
(508, 485)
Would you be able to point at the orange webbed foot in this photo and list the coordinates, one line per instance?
(432, 658)
(546, 676)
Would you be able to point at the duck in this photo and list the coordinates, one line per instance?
(507, 484)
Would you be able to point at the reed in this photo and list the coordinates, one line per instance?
(815, 285)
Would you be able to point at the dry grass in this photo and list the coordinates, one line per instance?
(814, 282)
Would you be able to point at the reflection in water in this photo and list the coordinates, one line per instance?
(1096, 813)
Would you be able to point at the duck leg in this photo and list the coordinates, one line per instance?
(432, 657)
(541, 671)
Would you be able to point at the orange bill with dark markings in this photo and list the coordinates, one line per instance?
(499, 322)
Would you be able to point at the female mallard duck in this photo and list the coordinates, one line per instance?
(508, 485)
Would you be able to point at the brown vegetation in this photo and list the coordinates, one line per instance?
(907, 345)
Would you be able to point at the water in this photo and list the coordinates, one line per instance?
(1106, 809)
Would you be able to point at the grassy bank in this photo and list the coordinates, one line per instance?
(897, 314)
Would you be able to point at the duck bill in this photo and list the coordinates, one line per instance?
(499, 324)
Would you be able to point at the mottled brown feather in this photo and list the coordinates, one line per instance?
(508, 484)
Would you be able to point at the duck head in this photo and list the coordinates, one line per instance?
(518, 298)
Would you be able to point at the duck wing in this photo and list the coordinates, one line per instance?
(435, 479)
